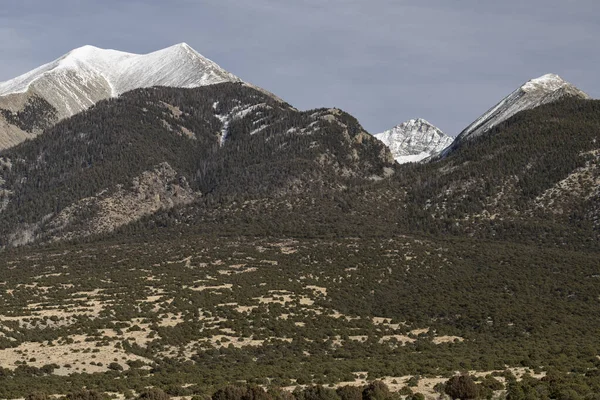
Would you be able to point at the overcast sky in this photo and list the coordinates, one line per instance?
(384, 61)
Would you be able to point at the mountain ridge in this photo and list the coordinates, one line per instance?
(119, 69)
(231, 142)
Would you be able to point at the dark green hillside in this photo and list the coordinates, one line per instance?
(270, 148)
(534, 178)
(537, 147)
(500, 184)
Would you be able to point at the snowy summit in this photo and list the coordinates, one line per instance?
(534, 93)
(88, 74)
(414, 140)
(548, 82)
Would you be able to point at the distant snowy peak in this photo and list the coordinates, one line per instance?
(88, 74)
(534, 93)
(414, 140)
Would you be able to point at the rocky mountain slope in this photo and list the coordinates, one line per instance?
(84, 76)
(414, 140)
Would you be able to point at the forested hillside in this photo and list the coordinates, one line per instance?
(225, 140)
(533, 179)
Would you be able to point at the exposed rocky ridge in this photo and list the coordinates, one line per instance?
(23, 117)
(158, 189)
(35, 116)
(414, 140)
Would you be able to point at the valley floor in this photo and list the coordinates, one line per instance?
(195, 314)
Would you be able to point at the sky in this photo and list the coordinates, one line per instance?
(383, 61)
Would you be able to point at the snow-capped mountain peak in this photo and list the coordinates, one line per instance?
(534, 93)
(414, 140)
(80, 60)
(549, 82)
(87, 74)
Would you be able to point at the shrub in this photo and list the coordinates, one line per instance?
(462, 387)
(349, 393)
(115, 366)
(84, 395)
(376, 390)
(154, 394)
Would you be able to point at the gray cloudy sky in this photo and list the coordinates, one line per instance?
(384, 61)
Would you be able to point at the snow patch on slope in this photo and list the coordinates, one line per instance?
(238, 112)
(414, 158)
